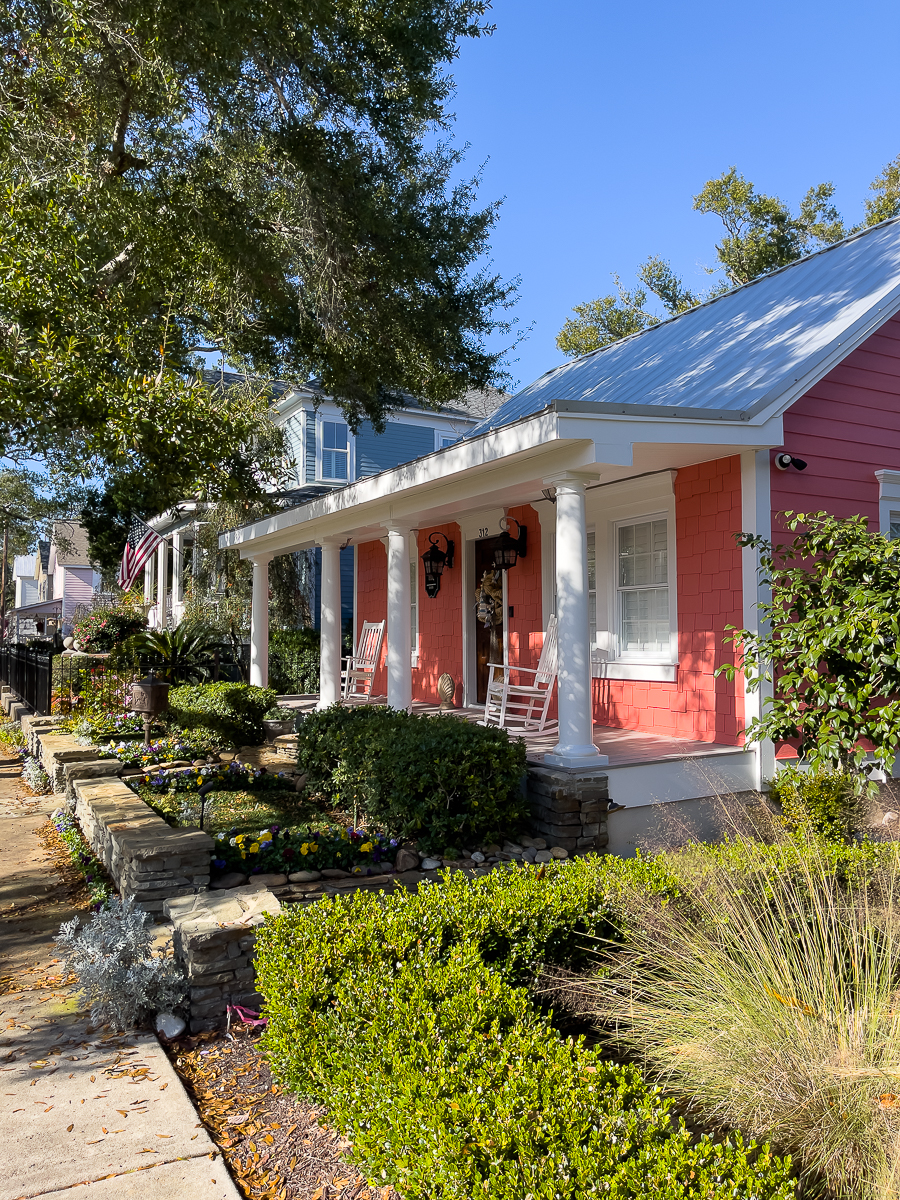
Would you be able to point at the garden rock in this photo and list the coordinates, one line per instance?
(199, 762)
(406, 860)
(543, 856)
(430, 864)
(304, 876)
(232, 879)
(478, 857)
(493, 848)
(169, 1025)
(889, 818)
(334, 873)
(558, 852)
(529, 854)
(270, 879)
(512, 848)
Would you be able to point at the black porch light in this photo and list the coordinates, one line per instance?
(510, 549)
(434, 560)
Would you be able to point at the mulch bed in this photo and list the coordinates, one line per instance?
(276, 1147)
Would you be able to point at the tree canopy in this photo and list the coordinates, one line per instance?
(260, 180)
(761, 233)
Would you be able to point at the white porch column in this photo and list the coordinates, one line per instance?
(756, 517)
(330, 625)
(148, 580)
(177, 575)
(162, 551)
(576, 727)
(259, 621)
(399, 647)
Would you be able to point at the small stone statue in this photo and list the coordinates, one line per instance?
(446, 690)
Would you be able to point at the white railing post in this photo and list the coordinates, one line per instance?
(177, 576)
(162, 551)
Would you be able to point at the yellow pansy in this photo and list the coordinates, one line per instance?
(304, 849)
(365, 849)
(254, 849)
(243, 855)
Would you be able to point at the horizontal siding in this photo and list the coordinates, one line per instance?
(846, 427)
(79, 588)
(398, 444)
(293, 436)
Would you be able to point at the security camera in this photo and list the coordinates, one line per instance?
(783, 461)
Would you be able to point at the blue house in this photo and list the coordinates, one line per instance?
(328, 455)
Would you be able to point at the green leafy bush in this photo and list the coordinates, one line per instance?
(105, 628)
(294, 661)
(234, 710)
(823, 801)
(407, 1017)
(437, 779)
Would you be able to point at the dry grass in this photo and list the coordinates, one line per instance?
(771, 1002)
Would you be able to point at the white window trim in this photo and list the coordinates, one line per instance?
(335, 418)
(444, 433)
(888, 498)
(637, 656)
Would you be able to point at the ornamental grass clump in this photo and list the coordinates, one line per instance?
(770, 1001)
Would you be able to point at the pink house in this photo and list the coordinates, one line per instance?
(631, 468)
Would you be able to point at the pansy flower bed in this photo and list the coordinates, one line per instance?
(136, 754)
(231, 777)
(302, 849)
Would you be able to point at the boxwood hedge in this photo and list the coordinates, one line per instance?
(437, 779)
(232, 710)
(409, 1017)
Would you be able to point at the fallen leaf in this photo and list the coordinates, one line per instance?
(93, 1079)
(164, 1135)
(69, 1128)
(163, 1086)
(123, 1111)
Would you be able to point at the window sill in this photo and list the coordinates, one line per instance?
(648, 672)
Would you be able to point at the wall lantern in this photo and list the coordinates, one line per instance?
(434, 560)
(510, 549)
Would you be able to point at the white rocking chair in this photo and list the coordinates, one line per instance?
(523, 705)
(359, 669)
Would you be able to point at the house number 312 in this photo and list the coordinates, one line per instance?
(483, 532)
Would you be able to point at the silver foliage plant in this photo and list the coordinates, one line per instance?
(35, 776)
(118, 975)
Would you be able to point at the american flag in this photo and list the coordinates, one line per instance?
(141, 543)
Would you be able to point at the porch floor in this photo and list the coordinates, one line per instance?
(623, 747)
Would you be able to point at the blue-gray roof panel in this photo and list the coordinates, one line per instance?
(738, 351)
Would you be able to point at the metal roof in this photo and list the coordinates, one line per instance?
(738, 354)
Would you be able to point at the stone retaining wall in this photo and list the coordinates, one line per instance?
(214, 936)
(144, 856)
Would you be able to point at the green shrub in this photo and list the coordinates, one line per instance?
(233, 710)
(438, 779)
(294, 661)
(405, 1015)
(823, 801)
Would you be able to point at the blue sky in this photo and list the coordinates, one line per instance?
(599, 123)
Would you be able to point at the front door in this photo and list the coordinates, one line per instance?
(488, 599)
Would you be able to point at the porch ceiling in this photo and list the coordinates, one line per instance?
(504, 467)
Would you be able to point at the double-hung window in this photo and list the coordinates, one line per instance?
(642, 553)
(335, 451)
(894, 531)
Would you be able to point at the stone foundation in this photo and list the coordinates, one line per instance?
(569, 807)
(214, 935)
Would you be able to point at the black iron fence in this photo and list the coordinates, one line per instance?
(29, 672)
(102, 682)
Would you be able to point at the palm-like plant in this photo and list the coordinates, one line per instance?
(181, 655)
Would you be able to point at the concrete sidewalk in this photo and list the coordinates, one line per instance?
(78, 1106)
